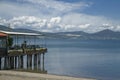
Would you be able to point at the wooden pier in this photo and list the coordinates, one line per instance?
(33, 61)
(26, 59)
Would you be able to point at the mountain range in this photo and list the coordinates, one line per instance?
(105, 34)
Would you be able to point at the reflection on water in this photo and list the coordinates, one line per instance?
(94, 59)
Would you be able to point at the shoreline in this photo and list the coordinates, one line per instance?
(18, 75)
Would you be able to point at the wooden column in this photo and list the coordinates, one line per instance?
(5, 62)
(35, 61)
(0, 63)
(39, 61)
(21, 60)
(32, 61)
(15, 62)
(8, 62)
(29, 61)
(24, 63)
(43, 61)
(19, 63)
(11, 62)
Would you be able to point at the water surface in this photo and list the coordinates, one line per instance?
(84, 58)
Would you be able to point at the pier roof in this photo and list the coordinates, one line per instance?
(3, 33)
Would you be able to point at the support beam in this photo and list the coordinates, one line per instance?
(32, 61)
(24, 62)
(11, 62)
(15, 62)
(39, 61)
(8, 62)
(43, 61)
(21, 60)
(29, 61)
(5, 62)
(35, 61)
(0, 63)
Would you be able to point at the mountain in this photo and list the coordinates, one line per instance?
(4, 28)
(25, 30)
(105, 34)
(102, 35)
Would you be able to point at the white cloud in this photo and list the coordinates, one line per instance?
(71, 22)
(59, 5)
(53, 16)
(84, 26)
(55, 20)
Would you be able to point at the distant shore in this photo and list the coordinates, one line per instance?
(17, 75)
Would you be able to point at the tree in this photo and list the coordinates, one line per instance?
(10, 41)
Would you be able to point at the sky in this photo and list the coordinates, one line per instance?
(61, 15)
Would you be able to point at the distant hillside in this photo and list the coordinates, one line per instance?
(4, 28)
(25, 30)
(105, 34)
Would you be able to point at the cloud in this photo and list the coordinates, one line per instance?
(59, 5)
(53, 16)
(69, 22)
(55, 20)
(39, 8)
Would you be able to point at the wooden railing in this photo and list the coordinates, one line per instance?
(33, 49)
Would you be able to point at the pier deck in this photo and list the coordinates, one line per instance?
(27, 51)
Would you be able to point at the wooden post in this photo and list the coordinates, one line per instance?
(8, 62)
(39, 61)
(11, 62)
(35, 61)
(25, 62)
(43, 62)
(0, 63)
(18, 62)
(29, 61)
(32, 61)
(21, 60)
(5, 65)
(15, 62)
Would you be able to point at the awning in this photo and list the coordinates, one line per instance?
(2, 34)
(19, 33)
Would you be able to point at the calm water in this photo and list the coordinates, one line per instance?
(84, 58)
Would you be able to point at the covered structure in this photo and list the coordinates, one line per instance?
(18, 49)
(11, 43)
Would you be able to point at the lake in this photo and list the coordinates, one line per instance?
(98, 59)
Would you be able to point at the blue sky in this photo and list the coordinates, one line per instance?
(61, 15)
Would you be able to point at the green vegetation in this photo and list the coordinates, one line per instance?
(10, 41)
